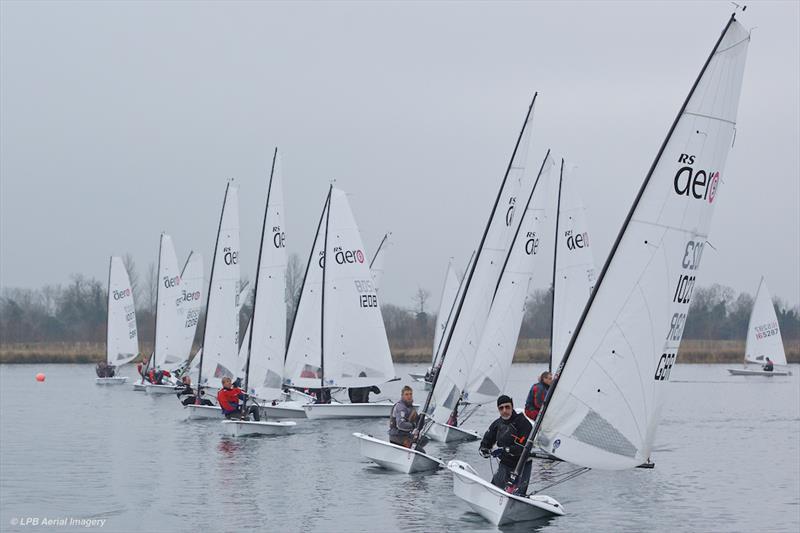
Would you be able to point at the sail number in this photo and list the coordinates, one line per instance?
(665, 366)
(692, 255)
(683, 292)
(367, 296)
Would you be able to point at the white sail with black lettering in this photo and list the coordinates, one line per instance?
(267, 345)
(122, 340)
(303, 366)
(472, 310)
(575, 274)
(169, 341)
(763, 332)
(191, 301)
(604, 408)
(220, 342)
(446, 304)
(355, 348)
(489, 374)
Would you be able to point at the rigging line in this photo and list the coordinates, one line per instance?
(572, 475)
(709, 117)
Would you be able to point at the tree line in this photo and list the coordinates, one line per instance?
(76, 312)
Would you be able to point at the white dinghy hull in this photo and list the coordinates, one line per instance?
(117, 380)
(396, 458)
(242, 428)
(496, 505)
(289, 409)
(759, 372)
(139, 387)
(150, 388)
(321, 411)
(447, 433)
(203, 412)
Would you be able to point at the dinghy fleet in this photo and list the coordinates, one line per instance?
(615, 332)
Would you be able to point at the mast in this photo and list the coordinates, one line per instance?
(322, 299)
(208, 298)
(555, 262)
(255, 286)
(538, 422)
(380, 246)
(158, 285)
(421, 419)
(108, 310)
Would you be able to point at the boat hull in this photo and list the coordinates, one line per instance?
(396, 458)
(759, 372)
(289, 409)
(447, 433)
(496, 505)
(116, 380)
(243, 428)
(203, 412)
(139, 387)
(150, 388)
(321, 411)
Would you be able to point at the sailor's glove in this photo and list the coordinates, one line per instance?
(415, 433)
(498, 452)
(485, 452)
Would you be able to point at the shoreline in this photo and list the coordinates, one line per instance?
(528, 351)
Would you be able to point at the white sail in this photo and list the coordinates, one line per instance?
(241, 358)
(604, 408)
(488, 376)
(303, 366)
(267, 346)
(190, 301)
(220, 343)
(170, 335)
(355, 349)
(763, 332)
(122, 340)
(574, 266)
(446, 303)
(376, 266)
(473, 309)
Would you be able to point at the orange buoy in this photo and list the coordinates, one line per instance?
(39, 377)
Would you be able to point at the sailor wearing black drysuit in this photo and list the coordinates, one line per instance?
(509, 432)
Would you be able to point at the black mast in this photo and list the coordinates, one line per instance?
(555, 255)
(529, 444)
(108, 309)
(421, 418)
(322, 299)
(158, 284)
(208, 298)
(380, 247)
(255, 286)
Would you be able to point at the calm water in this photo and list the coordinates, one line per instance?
(727, 459)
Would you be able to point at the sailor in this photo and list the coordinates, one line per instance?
(361, 394)
(403, 422)
(509, 432)
(104, 370)
(228, 398)
(768, 367)
(185, 389)
(320, 395)
(537, 395)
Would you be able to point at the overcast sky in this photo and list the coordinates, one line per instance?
(120, 120)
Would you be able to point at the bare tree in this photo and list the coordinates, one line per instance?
(294, 282)
(420, 299)
(133, 275)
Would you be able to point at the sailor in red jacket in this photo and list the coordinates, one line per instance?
(537, 395)
(228, 398)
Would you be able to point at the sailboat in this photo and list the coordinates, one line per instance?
(122, 340)
(489, 374)
(763, 338)
(170, 337)
(603, 409)
(265, 339)
(218, 352)
(471, 314)
(338, 339)
(447, 303)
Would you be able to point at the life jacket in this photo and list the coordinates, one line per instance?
(229, 399)
(534, 405)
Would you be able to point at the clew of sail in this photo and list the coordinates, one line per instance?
(356, 350)
(122, 340)
(469, 320)
(575, 274)
(267, 345)
(604, 408)
(169, 342)
(763, 332)
(489, 374)
(220, 342)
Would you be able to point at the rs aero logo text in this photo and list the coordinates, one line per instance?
(697, 184)
(231, 257)
(348, 256)
(119, 295)
(171, 282)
